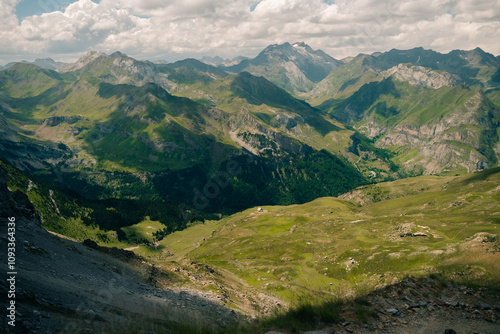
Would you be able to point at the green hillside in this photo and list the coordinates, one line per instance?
(336, 248)
(460, 123)
(131, 141)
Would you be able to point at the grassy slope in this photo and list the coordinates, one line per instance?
(318, 131)
(309, 249)
(342, 82)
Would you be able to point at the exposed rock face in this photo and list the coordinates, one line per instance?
(56, 120)
(421, 76)
(453, 142)
(83, 61)
(33, 155)
(15, 204)
(248, 132)
(120, 69)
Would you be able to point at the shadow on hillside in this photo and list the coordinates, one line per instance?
(429, 304)
(62, 286)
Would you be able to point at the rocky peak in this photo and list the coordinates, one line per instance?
(314, 64)
(88, 58)
(118, 54)
(476, 57)
(421, 76)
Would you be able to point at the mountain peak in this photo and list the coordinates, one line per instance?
(118, 54)
(291, 66)
(300, 44)
(88, 58)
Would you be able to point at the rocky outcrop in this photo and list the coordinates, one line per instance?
(56, 120)
(421, 76)
(454, 142)
(88, 58)
(248, 132)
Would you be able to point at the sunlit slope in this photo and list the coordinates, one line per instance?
(337, 247)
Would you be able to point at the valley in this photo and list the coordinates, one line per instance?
(286, 193)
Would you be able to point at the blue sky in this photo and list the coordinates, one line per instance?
(176, 29)
(37, 7)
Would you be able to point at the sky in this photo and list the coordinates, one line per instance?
(176, 29)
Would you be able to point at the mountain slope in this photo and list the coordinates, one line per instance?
(436, 112)
(121, 129)
(431, 130)
(334, 248)
(294, 67)
(63, 284)
(475, 68)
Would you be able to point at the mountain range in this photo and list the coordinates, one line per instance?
(290, 118)
(292, 187)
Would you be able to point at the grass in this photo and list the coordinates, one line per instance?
(143, 231)
(315, 255)
(296, 250)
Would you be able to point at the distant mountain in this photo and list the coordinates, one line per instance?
(474, 68)
(218, 61)
(295, 67)
(213, 60)
(115, 131)
(434, 111)
(118, 127)
(46, 63)
(431, 125)
(465, 64)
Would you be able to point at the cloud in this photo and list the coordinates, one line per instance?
(8, 25)
(83, 25)
(181, 28)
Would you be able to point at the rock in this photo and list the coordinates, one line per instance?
(56, 120)
(421, 312)
(409, 234)
(419, 304)
(392, 311)
(485, 306)
(421, 76)
(449, 331)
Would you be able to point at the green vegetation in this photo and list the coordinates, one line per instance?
(337, 246)
(104, 221)
(133, 141)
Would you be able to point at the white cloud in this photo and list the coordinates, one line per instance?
(9, 47)
(182, 28)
